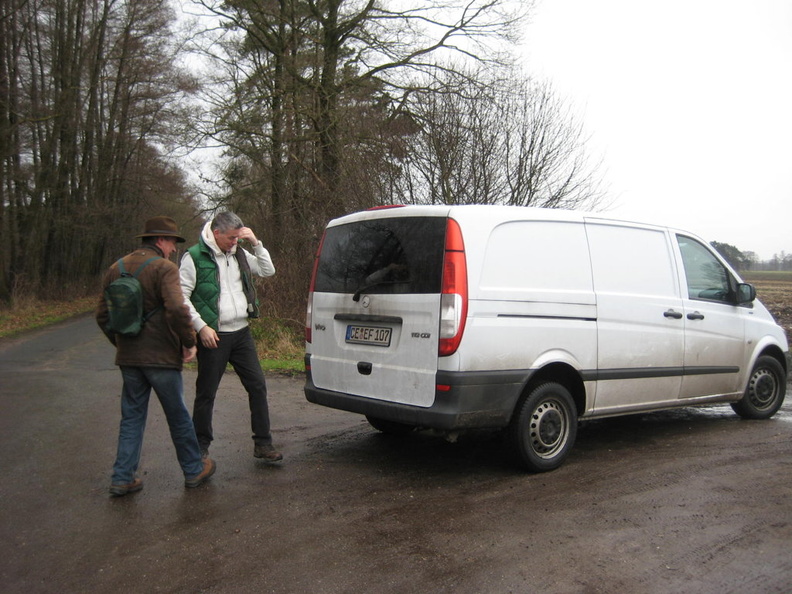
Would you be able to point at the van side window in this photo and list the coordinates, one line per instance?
(532, 256)
(631, 261)
(707, 278)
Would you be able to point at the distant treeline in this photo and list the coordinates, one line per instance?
(749, 261)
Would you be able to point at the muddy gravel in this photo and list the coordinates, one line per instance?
(693, 500)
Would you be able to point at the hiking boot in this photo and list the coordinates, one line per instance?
(267, 452)
(208, 470)
(121, 490)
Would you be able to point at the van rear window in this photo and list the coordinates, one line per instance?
(383, 256)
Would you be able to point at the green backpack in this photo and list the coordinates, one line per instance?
(124, 298)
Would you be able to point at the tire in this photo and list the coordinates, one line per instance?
(544, 427)
(389, 427)
(765, 391)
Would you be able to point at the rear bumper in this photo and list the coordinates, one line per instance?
(472, 400)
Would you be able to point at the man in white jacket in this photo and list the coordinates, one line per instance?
(216, 277)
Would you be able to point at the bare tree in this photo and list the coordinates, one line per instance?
(90, 100)
(327, 61)
(505, 140)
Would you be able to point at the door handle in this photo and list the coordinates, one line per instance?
(695, 316)
(672, 314)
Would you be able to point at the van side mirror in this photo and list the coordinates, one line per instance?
(746, 293)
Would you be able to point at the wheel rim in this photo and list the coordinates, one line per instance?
(549, 428)
(763, 389)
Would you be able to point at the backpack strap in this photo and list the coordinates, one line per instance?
(142, 266)
(123, 271)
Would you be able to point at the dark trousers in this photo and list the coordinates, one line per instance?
(238, 349)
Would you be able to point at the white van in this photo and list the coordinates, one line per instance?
(457, 317)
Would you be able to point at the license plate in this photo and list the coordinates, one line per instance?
(373, 335)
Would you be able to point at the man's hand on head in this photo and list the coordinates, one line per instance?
(247, 234)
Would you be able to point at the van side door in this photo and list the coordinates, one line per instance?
(640, 325)
(715, 348)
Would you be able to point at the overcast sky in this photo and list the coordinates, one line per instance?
(689, 104)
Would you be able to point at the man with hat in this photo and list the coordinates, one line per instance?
(153, 359)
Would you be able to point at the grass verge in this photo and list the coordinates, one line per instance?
(279, 345)
(32, 314)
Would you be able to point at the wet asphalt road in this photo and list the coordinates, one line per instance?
(683, 501)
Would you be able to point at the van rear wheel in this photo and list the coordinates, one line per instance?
(765, 392)
(389, 427)
(544, 427)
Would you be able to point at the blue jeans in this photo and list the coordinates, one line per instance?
(239, 349)
(167, 383)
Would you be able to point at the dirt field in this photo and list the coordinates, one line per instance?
(775, 291)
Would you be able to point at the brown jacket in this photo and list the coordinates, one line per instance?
(160, 342)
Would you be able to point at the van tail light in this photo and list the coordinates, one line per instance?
(308, 316)
(309, 307)
(454, 293)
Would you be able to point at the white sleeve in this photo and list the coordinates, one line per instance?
(187, 276)
(260, 263)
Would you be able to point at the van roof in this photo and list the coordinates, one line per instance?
(473, 211)
(463, 210)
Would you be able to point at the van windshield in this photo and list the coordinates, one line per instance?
(383, 256)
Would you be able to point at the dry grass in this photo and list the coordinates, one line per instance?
(280, 345)
(29, 314)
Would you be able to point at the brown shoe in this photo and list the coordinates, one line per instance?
(267, 452)
(121, 490)
(208, 470)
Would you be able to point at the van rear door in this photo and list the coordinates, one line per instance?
(375, 307)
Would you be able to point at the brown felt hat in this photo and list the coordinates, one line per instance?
(162, 227)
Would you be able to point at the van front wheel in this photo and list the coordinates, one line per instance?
(544, 427)
(765, 392)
